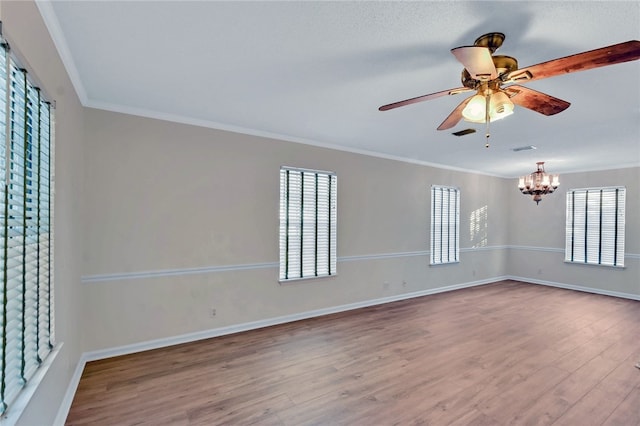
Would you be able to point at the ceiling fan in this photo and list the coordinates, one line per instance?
(487, 74)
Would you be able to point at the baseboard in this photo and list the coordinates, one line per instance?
(237, 328)
(65, 405)
(222, 331)
(576, 287)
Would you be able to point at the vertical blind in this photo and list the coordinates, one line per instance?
(26, 298)
(445, 224)
(595, 226)
(307, 223)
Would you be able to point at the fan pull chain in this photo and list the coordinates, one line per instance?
(486, 118)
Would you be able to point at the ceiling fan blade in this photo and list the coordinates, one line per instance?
(455, 116)
(424, 98)
(536, 101)
(610, 55)
(477, 60)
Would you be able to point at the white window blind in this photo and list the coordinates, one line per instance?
(595, 226)
(26, 297)
(307, 223)
(445, 225)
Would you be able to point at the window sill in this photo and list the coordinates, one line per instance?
(295, 280)
(17, 407)
(595, 264)
(445, 263)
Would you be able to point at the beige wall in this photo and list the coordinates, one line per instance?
(23, 26)
(166, 196)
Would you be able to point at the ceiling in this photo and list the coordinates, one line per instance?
(316, 72)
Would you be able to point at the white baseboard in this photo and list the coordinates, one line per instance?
(222, 331)
(65, 405)
(236, 328)
(576, 287)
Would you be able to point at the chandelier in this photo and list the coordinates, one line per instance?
(538, 183)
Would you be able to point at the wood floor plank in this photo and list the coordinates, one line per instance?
(503, 353)
(628, 412)
(550, 406)
(593, 409)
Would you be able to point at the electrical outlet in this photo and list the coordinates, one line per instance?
(212, 312)
(385, 285)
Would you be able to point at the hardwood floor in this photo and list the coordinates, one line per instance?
(507, 353)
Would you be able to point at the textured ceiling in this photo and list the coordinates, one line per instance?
(316, 72)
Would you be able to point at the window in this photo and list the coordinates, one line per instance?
(445, 224)
(307, 223)
(26, 201)
(595, 226)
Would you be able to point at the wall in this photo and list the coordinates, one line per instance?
(23, 27)
(538, 234)
(185, 219)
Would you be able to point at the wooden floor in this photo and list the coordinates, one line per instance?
(507, 353)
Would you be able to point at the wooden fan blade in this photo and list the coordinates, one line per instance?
(610, 55)
(424, 98)
(455, 116)
(536, 101)
(477, 60)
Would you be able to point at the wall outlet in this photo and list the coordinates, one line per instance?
(212, 312)
(385, 285)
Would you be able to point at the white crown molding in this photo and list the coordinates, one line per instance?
(174, 118)
(59, 40)
(52, 23)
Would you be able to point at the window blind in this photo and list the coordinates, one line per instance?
(26, 298)
(308, 231)
(595, 226)
(445, 225)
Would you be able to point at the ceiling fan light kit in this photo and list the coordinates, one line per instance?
(500, 106)
(475, 109)
(487, 74)
(538, 183)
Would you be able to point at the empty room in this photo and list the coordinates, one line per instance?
(320, 213)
